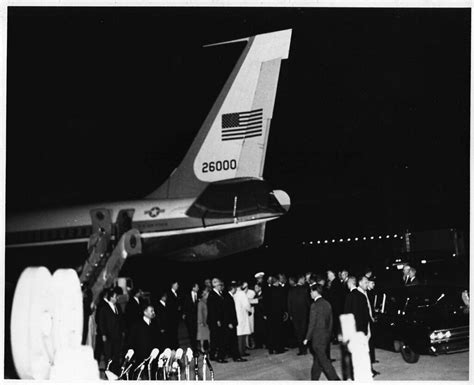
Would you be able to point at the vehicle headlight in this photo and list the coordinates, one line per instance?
(448, 334)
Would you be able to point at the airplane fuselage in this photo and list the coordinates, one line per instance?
(152, 218)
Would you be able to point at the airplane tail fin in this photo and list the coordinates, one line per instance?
(232, 141)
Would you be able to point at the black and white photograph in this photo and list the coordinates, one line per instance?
(229, 192)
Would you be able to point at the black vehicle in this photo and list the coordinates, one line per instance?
(421, 320)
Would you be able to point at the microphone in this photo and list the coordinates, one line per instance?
(204, 367)
(178, 356)
(125, 372)
(166, 355)
(170, 360)
(127, 359)
(153, 355)
(196, 367)
(163, 360)
(211, 370)
(189, 354)
(187, 361)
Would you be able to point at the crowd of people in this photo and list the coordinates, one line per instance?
(227, 321)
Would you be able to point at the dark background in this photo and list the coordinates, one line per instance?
(370, 134)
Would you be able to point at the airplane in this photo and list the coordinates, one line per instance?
(216, 202)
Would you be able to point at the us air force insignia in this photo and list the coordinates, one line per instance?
(154, 211)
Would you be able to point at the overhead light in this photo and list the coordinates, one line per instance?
(454, 254)
(319, 242)
(310, 242)
(333, 240)
(423, 261)
(387, 268)
(388, 236)
(341, 240)
(356, 239)
(326, 241)
(380, 237)
(395, 236)
(371, 237)
(364, 238)
(348, 239)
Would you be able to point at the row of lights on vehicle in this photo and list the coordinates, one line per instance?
(349, 239)
(400, 265)
(440, 335)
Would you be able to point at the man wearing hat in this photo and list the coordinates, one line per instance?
(259, 277)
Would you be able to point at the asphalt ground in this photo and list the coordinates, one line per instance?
(288, 366)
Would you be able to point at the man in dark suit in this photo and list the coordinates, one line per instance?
(298, 310)
(351, 284)
(319, 333)
(371, 296)
(288, 337)
(190, 314)
(358, 304)
(259, 322)
(161, 321)
(141, 336)
(215, 320)
(111, 330)
(230, 324)
(274, 307)
(335, 296)
(133, 309)
(174, 309)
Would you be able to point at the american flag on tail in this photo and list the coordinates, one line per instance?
(241, 125)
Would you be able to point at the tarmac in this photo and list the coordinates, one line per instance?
(290, 367)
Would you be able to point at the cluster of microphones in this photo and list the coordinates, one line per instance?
(171, 365)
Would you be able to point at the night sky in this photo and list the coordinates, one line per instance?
(370, 133)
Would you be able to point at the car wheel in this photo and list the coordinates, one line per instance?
(408, 354)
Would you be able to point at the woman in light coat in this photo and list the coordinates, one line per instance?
(202, 328)
(250, 343)
(243, 310)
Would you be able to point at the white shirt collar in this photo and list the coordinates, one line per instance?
(361, 290)
(163, 302)
(147, 320)
(137, 300)
(112, 306)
